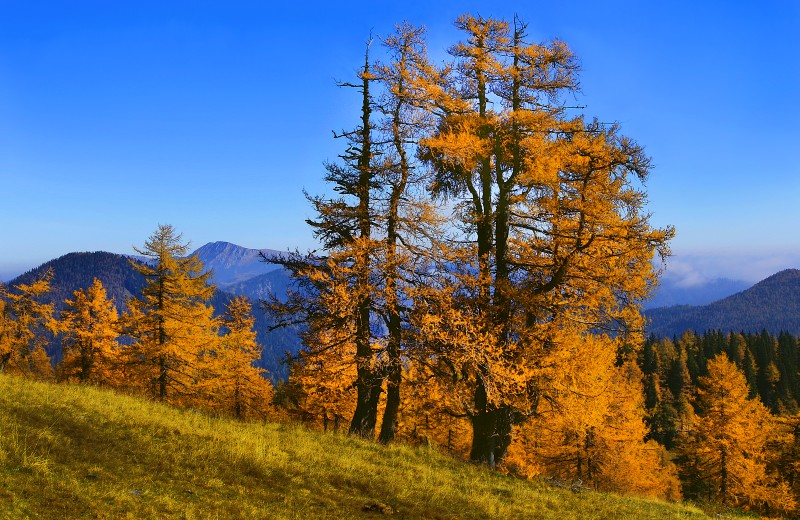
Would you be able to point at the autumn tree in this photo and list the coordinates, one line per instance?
(90, 330)
(724, 458)
(590, 429)
(555, 233)
(171, 322)
(24, 323)
(550, 233)
(432, 412)
(232, 383)
(405, 217)
(324, 379)
(353, 298)
(785, 454)
(345, 227)
(325, 299)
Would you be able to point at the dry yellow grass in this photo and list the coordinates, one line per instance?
(73, 452)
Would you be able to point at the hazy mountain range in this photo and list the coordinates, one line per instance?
(234, 264)
(772, 304)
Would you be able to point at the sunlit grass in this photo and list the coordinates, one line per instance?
(72, 452)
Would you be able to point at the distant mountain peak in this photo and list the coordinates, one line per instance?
(232, 263)
(787, 275)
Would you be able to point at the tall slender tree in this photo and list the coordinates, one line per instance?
(354, 300)
(404, 217)
(334, 293)
(171, 322)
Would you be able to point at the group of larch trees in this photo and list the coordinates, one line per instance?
(728, 415)
(482, 242)
(167, 345)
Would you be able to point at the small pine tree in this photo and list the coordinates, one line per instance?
(90, 328)
(24, 320)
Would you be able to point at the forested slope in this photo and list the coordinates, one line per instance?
(772, 305)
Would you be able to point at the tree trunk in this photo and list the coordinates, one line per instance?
(86, 365)
(237, 402)
(368, 383)
(491, 430)
(723, 476)
(366, 415)
(391, 411)
(395, 370)
(162, 378)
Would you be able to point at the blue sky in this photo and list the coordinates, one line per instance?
(213, 116)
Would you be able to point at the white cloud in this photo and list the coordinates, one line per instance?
(691, 270)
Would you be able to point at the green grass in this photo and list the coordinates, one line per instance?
(73, 452)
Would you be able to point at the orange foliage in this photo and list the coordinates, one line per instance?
(726, 451)
(24, 323)
(171, 323)
(90, 328)
(589, 424)
(231, 383)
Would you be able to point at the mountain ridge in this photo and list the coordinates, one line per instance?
(773, 305)
(232, 263)
(113, 270)
(235, 269)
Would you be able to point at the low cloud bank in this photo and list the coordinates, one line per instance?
(692, 270)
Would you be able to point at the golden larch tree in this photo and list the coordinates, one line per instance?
(345, 226)
(725, 455)
(404, 215)
(589, 429)
(552, 212)
(354, 300)
(431, 413)
(324, 301)
(232, 382)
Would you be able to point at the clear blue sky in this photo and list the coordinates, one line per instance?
(213, 116)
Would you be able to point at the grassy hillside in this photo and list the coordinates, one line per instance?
(73, 452)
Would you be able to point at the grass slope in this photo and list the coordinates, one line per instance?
(73, 452)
